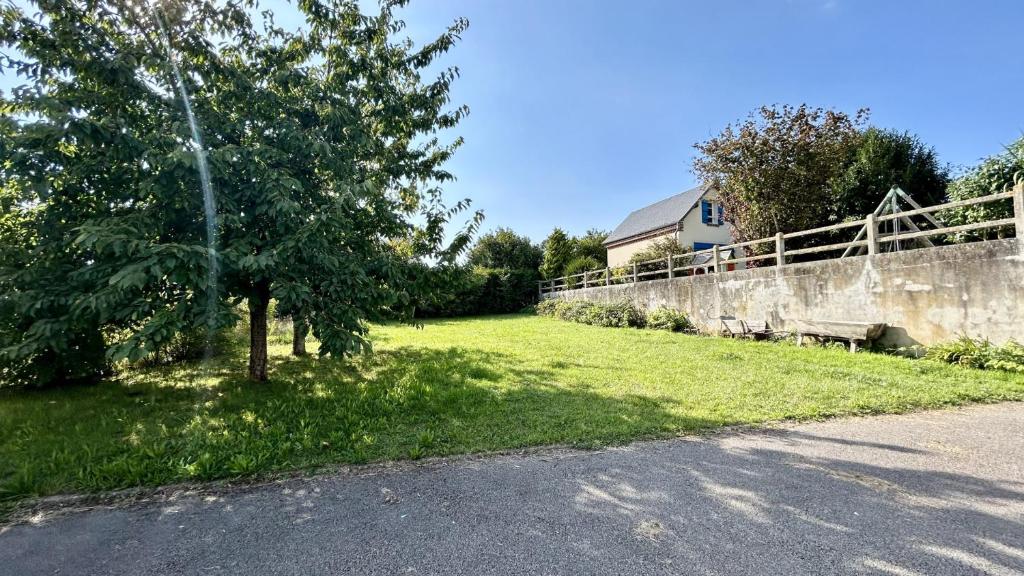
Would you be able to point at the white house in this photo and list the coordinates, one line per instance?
(694, 217)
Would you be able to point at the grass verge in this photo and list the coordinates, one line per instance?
(454, 386)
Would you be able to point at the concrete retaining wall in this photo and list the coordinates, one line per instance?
(926, 296)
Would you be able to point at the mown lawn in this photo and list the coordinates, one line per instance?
(453, 386)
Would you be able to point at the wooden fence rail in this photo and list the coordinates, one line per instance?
(868, 238)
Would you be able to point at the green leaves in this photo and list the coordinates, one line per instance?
(323, 151)
(772, 171)
(994, 174)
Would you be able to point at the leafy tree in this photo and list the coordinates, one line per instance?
(994, 174)
(881, 160)
(503, 248)
(322, 149)
(579, 265)
(558, 251)
(774, 170)
(591, 245)
(473, 290)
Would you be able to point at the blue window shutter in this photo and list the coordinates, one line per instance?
(721, 215)
(705, 212)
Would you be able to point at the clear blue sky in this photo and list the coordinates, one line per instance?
(582, 111)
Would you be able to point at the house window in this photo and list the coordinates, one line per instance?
(712, 214)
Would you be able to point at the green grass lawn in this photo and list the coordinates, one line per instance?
(453, 386)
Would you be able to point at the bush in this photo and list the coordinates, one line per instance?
(622, 314)
(983, 354)
(475, 290)
(995, 174)
(546, 307)
(668, 319)
(579, 265)
(81, 359)
(191, 344)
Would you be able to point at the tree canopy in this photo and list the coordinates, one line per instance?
(324, 152)
(883, 159)
(773, 171)
(558, 251)
(503, 248)
(789, 168)
(591, 245)
(992, 175)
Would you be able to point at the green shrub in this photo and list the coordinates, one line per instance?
(994, 174)
(579, 265)
(623, 314)
(965, 351)
(667, 319)
(547, 307)
(81, 358)
(475, 290)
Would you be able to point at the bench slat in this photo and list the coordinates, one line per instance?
(734, 327)
(837, 329)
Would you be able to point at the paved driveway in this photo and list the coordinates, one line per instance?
(928, 493)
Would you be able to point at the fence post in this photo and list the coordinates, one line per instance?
(1018, 210)
(671, 267)
(607, 276)
(872, 228)
(780, 249)
(540, 288)
(634, 272)
(584, 278)
(716, 259)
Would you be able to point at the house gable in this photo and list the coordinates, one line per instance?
(692, 218)
(656, 218)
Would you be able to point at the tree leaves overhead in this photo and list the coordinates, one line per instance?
(325, 148)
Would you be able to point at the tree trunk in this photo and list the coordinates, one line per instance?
(258, 303)
(299, 331)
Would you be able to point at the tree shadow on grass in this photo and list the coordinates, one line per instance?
(208, 422)
(751, 503)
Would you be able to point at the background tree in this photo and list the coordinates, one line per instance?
(774, 170)
(579, 265)
(322, 148)
(500, 276)
(503, 248)
(883, 159)
(591, 245)
(994, 174)
(558, 251)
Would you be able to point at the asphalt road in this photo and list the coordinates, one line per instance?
(928, 493)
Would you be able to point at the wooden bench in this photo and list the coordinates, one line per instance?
(856, 333)
(734, 328)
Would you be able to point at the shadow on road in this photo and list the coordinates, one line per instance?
(778, 506)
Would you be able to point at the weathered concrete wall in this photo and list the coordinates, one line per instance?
(925, 296)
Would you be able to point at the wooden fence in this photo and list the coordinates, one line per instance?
(869, 239)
